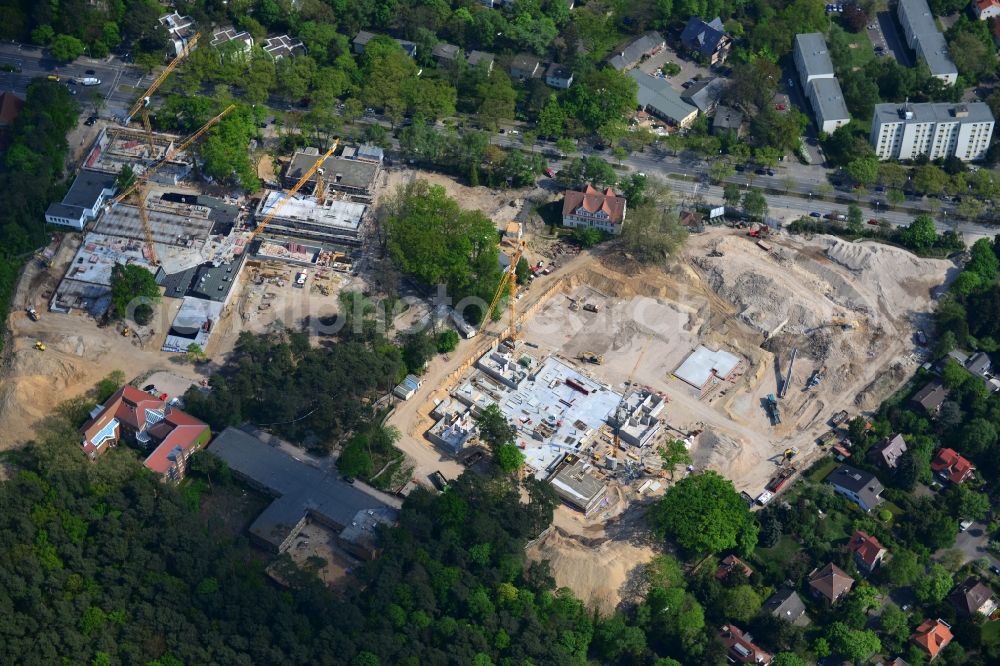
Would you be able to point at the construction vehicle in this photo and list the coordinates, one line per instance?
(590, 307)
(295, 188)
(788, 374)
(772, 409)
(838, 418)
(508, 285)
(765, 497)
(39, 345)
(591, 357)
(573, 305)
(791, 453)
(844, 323)
(816, 377)
(32, 313)
(142, 104)
(759, 231)
(781, 478)
(126, 332)
(140, 184)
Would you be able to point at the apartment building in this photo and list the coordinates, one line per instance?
(923, 36)
(812, 61)
(904, 131)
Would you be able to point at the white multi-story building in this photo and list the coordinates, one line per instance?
(923, 36)
(812, 60)
(905, 131)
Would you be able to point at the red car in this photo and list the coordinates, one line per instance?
(873, 222)
(549, 172)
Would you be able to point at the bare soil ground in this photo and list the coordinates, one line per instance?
(316, 541)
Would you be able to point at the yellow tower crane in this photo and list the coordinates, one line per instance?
(508, 283)
(292, 190)
(142, 103)
(140, 185)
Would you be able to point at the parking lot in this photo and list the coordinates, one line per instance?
(689, 68)
(885, 35)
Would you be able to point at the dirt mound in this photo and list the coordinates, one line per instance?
(599, 572)
(872, 395)
(724, 454)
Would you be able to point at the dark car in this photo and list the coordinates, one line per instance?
(473, 458)
(349, 479)
(760, 172)
(815, 214)
(741, 168)
(89, 122)
(995, 569)
(91, 72)
(770, 172)
(149, 387)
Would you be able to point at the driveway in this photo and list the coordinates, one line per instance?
(888, 36)
(972, 542)
(689, 68)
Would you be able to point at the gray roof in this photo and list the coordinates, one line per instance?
(703, 36)
(933, 47)
(300, 487)
(525, 62)
(811, 47)
(931, 395)
(557, 71)
(57, 209)
(830, 101)
(861, 483)
(353, 173)
(727, 118)
(705, 94)
(446, 51)
(476, 57)
(370, 152)
(656, 94)
(934, 112)
(787, 605)
(574, 482)
(87, 188)
(887, 452)
(979, 363)
(638, 47)
(916, 15)
(363, 37)
(969, 596)
(202, 281)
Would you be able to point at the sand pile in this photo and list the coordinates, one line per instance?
(725, 454)
(598, 572)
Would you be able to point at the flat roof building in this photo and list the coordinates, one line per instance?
(704, 365)
(659, 99)
(937, 130)
(301, 491)
(232, 40)
(576, 484)
(333, 221)
(812, 59)
(83, 201)
(350, 176)
(283, 46)
(637, 419)
(828, 105)
(923, 37)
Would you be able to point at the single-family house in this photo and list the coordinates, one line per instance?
(593, 208)
(525, 66)
(657, 98)
(860, 487)
(558, 76)
(283, 46)
(180, 30)
(730, 564)
(641, 47)
(971, 597)
(232, 41)
(979, 364)
(986, 9)
(951, 466)
(886, 453)
(705, 94)
(868, 551)
(930, 398)
(477, 58)
(740, 647)
(170, 435)
(445, 53)
(830, 583)
(727, 119)
(363, 37)
(708, 40)
(787, 605)
(932, 636)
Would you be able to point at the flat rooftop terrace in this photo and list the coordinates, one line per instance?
(337, 214)
(169, 228)
(99, 253)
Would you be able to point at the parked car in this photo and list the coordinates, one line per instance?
(873, 222)
(770, 172)
(815, 214)
(90, 121)
(549, 172)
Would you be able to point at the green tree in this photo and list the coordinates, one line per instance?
(895, 627)
(509, 458)
(788, 659)
(933, 586)
(674, 453)
(731, 194)
(855, 219)
(703, 513)
(721, 170)
(65, 48)
(552, 119)
(864, 170)
(921, 234)
(741, 603)
(499, 434)
(131, 286)
(652, 233)
(589, 169)
(983, 261)
(447, 341)
(854, 644)
(522, 271)
(754, 204)
(930, 179)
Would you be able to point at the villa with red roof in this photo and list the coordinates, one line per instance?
(986, 9)
(868, 551)
(948, 464)
(170, 435)
(591, 208)
(932, 636)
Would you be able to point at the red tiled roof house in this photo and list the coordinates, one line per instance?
(932, 636)
(740, 647)
(132, 415)
(949, 465)
(830, 583)
(592, 208)
(868, 552)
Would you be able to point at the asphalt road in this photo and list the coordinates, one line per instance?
(117, 78)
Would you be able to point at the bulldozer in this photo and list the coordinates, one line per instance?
(39, 345)
(591, 357)
(126, 332)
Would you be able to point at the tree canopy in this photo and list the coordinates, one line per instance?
(703, 513)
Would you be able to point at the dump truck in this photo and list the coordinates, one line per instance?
(838, 418)
(780, 479)
(590, 307)
(591, 357)
(32, 313)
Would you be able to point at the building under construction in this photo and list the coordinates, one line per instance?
(351, 176)
(637, 418)
(335, 220)
(117, 147)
